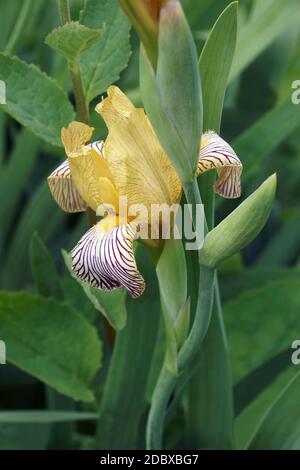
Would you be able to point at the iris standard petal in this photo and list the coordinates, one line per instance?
(64, 191)
(217, 154)
(104, 257)
(141, 169)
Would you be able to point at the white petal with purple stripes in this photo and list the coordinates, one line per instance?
(64, 190)
(217, 154)
(105, 259)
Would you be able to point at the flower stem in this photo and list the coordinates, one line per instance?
(167, 381)
(64, 11)
(82, 109)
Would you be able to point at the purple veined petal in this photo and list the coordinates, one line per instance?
(98, 146)
(217, 154)
(105, 259)
(64, 190)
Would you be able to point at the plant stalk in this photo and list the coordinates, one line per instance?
(81, 105)
(167, 381)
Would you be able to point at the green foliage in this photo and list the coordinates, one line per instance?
(34, 99)
(110, 304)
(72, 39)
(102, 63)
(280, 429)
(51, 341)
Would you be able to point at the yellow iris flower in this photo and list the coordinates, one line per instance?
(130, 163)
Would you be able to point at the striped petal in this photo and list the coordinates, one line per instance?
(64, 191)
(217, 154)
(104, 257)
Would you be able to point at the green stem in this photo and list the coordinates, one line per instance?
(19, 27)
(167, 381)
(82, 109)
(64, 11)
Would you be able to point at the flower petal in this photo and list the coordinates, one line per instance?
(105, 259)
(87, 164)
(217, 154)
(141, 169)
(64, 191)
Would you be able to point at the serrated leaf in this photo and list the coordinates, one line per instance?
(72, 39)
(50, 341)
(34, 99)
(102, 63)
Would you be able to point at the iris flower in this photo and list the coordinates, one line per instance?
(130, 163)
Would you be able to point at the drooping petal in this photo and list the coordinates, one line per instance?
(104, 257)
(87, 164)
(217, 154)
(64, 191)
(141, 169)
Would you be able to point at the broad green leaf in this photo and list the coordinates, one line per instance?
(172, 278)
(102, 63)
(247, 423)
(110, 304)
(72, 39)
(215, 63)
(51, 341)
(267, 20)
(43, 269)
(240, 227)
(124, 404)
(24, 436)
(254, 383)
(45, 416)
(261, 323)
(175, 116)
(34, 99)
(280, 428)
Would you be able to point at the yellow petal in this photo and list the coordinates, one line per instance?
(64, 191)
(87, 164)
(141, 169)
(216, 154)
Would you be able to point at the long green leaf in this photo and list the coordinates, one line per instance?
(280, 428)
